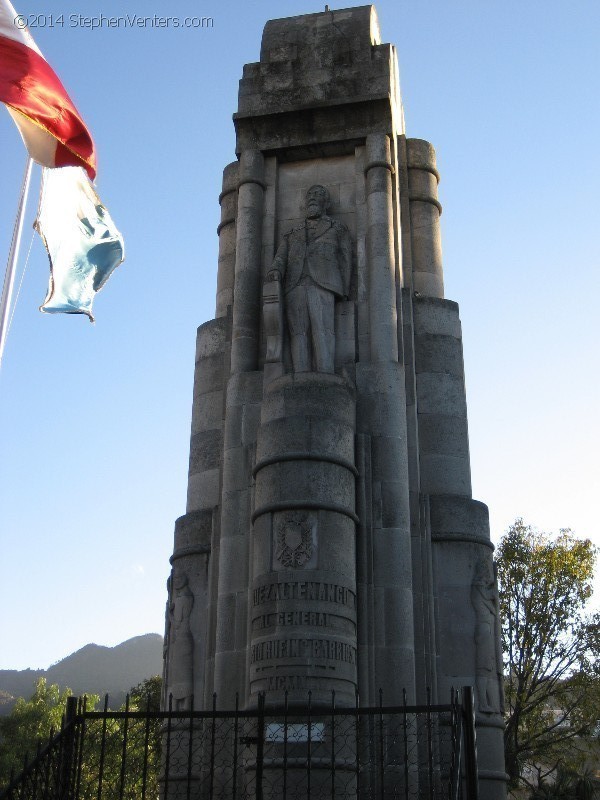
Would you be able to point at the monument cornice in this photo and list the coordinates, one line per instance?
(304, 506)
(305, 456)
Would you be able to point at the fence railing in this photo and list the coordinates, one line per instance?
(425, 752)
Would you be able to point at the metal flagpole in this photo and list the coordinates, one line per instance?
(9, 277)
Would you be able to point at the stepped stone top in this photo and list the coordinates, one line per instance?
(317, 63)
(309, 37)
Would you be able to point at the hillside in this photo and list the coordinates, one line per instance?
(94, 669)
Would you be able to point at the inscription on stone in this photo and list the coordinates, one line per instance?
(289, 682)
(312, 618)
(304, 590)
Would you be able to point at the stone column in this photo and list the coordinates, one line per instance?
(186, 642)
(468, 633)
(244, 393)
(384, 482)
(441, 400)
(425, 210)
(196, 536)
(303, 594)
(248, 274)
(381, 417)
(381, 259)
(206, 440)
(186, 622)
(227, 235)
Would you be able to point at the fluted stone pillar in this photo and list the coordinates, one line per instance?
(210, 379)
(381, 414)
(205, 464)
(247, 294)
(425, 210)
(383, 315)
(381, 394)
(244, 394)
(242, 404)
(226, 232)
(441, 400)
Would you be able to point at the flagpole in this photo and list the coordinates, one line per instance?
(13, 256)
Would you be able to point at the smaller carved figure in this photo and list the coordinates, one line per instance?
(166, 640)
(484, 598)
(181, 667)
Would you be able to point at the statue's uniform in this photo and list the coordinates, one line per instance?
(315, 261)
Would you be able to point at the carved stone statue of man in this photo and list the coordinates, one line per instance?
(182, 641)
(484, 598)
(314, 264)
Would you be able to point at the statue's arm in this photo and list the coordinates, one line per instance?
(488, 598)
(178, 612)
(279, 264)
(186, 609)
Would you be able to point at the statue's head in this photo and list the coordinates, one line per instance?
(484, 571)
(317, 202)
(179, 580)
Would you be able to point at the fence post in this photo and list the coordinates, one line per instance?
(470, 744)
(457, 743)
(260, 746)
(68, 749)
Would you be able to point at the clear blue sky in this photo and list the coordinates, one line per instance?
(94, 419)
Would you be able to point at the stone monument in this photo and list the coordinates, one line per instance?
(330, 540)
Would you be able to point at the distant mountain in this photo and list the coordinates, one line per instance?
(93, 670)
(18, 683)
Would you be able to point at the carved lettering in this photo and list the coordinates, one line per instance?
(312, 619)
(289, 682)
(304, 590)
(303, 648)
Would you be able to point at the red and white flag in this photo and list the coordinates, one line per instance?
(48, 121)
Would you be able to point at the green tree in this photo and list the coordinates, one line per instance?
(32, 720)
(566, 785)
(144, 738)
(551, 649)
(29, 722)
(146, 695)
(106, 735)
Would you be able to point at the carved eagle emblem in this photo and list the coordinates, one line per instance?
(294, 543)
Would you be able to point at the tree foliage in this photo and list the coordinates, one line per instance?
(566, 785)
(550, 646)
(146, 695)
(29, 722)
(107, 736)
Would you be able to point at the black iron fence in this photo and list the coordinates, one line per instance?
(403, 752)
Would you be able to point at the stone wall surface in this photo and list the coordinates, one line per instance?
(330, 541)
